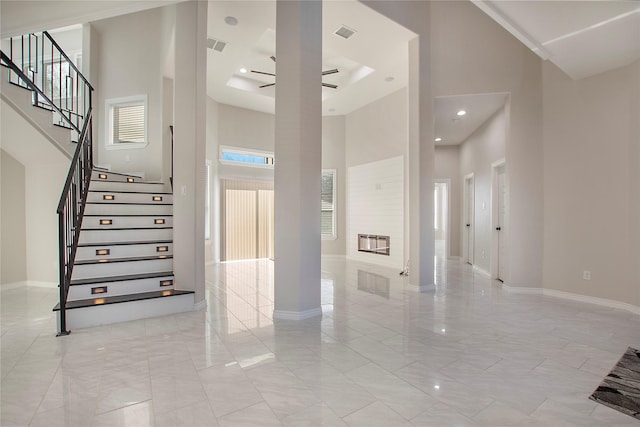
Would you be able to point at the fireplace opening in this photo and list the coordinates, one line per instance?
(373, 243)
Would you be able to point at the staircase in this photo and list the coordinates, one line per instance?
(116, 230)
(124, 261)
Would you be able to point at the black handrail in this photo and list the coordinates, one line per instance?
(74, 194)
(171, 177)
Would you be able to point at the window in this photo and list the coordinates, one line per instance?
(126, 122)
(328, 196)
(207, 200)
(246, 157)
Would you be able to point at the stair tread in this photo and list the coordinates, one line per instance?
(125, 182)
(122, 278)
(126, 215)
(128, 243)
(130, 192)
(92, 302)
(126, 228)
(127, 259)
(98, 168)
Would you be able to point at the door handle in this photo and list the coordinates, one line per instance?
(498, 228)
(468, 225)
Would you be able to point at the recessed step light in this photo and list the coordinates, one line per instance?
(164, 283)
(106, 222)
(162, 248)
(99, 290)
(156, 198)
(158, 221)
(131, 180)
(108, 197)
(100, 252)
(102, 176)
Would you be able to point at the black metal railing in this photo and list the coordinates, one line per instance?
(37, 63)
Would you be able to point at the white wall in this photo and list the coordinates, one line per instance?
(477, 153)
(130, 59)
(44, 184)
(212, 246)
(592, 183)
(376, 206)
(45, 170)
(377, 131)
(13, 252)
(447, 166)
(488, 59)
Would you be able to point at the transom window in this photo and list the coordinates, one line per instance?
(246, 157)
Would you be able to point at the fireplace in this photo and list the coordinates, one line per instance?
(373, 243)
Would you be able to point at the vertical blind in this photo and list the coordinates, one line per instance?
(327, 196)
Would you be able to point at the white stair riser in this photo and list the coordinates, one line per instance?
(156, 221)
(132, 235)
(115, 313)
(126, 209)
(98, 196)
(126, 287)
(122, 251)
(109, 269)
(101, 185)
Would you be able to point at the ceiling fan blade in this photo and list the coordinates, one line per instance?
(273, 58)
(267, 85)
(335, 70)
(329, 85)
(262, 72)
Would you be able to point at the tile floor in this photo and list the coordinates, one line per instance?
(469, 354)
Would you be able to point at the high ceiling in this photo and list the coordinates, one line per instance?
(372, 63)
(583, 38)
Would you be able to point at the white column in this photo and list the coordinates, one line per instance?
(189, 127)
(298, 144)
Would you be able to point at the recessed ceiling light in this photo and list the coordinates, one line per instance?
(231, 20)
(389, 79)
(462, 113)
(438, 139)
(243, 70)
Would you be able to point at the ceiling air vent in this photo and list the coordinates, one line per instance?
(345, 32)
(216, 45)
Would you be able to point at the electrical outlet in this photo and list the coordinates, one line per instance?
(586, 275)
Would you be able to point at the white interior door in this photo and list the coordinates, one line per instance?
(468, 231)
(502, 213)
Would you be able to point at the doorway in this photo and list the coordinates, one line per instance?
(441, 217)
(499, 219)
(469, 219)
(247, 220)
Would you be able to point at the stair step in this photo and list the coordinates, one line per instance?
(95, 251)
(110, 267)
(140, 186)
(107, 236)
(95, 221)
(99, 208)
(122, 278)
(111, 175)
(92, 302)
(136, 197)
(121, 287)
(117, 260)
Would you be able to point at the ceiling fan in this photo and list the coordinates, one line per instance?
(324, 73)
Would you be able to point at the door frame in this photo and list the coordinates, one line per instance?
(495, 213)
(446, 181)
(468, 210)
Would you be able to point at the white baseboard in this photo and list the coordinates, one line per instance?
(200, 305)
(521, 290)
(592, 300)
(574, 297)
(481, 272)
(34, 283)
(421, 288)
(297, 315)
